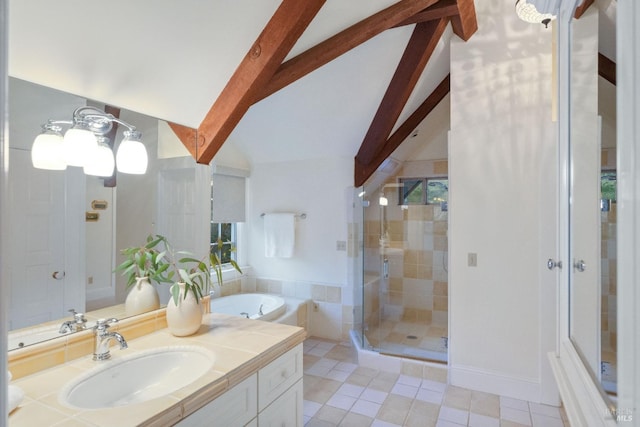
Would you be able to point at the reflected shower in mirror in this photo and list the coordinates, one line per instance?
(67, 227)
(593, 206)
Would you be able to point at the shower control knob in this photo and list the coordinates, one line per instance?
(551, 264)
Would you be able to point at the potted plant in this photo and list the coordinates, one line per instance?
(192, 282)
(143, 265)
(218, 253)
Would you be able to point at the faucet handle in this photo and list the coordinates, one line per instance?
(103, 324)
(79, 318)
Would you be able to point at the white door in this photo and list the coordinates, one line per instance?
(36, 252)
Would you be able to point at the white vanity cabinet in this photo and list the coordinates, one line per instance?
(270, 397)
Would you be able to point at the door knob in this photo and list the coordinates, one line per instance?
(551, 264)
(58, 275)
(580, 265)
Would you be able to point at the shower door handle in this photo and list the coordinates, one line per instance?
(580, 265)
(385, 268)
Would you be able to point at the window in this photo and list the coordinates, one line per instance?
(608, 184)
(227, 210)
(223, 241)
(424, 191)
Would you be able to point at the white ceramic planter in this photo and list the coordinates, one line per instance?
(142, 297)
(185, 318)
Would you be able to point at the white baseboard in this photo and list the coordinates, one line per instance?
(491, 382)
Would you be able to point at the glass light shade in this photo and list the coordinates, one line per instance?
(46, 151)
(100, 162)
(131, 156)
(78, 145)
(528, 13)
(383, 201)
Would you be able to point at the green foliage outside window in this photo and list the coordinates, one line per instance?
(608, 185)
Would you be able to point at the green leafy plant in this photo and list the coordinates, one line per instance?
(217, 255)
(145, 261)
(158, 261)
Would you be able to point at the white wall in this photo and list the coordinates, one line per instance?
(502, 165)
(314, 187)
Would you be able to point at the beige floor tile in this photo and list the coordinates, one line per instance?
(342, 353)
(458, 398)
(330, 414)
(394, 409)
(424, 410)
(382, 384)
(322, 391)
(314, 422)
(485, 404)
(505, 423)
(435, 374)
(309, 359)
(355, 420)
(357, 379)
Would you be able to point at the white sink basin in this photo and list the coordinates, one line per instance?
(137, 378)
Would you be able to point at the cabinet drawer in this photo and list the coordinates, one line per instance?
(237, 407)
(285, 411)
(275, 378)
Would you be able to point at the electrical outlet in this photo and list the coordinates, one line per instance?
(90, 280)
(341, 245)
(472, 259)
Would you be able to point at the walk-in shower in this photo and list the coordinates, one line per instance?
(403, 288)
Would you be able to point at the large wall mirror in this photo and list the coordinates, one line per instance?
(593, 205)
(67, 228)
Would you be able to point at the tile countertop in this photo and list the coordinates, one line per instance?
(241, 347)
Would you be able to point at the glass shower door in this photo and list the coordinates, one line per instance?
(405, 288)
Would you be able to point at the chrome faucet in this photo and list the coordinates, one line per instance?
(102, 339)
(79, 323)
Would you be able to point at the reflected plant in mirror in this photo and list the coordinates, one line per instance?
(143, 265)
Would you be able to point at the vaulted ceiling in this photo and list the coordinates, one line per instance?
(262, 72)
(276, 80)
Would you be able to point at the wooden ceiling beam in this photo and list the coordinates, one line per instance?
(363, 172)
(580, 10)
(421, 45)
(465, 24)
(607, 69)
(256, 69)
(442, 9)
(333, 47)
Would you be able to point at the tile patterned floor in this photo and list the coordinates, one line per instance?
(338, 392)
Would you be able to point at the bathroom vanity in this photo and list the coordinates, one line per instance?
(255, 379)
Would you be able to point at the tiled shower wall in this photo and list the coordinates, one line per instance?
(417, 252)
(609, 262)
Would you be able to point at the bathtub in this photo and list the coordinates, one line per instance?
(254, 306)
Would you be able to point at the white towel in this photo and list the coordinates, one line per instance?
(279, 235)
(15, 394)
(15, 397)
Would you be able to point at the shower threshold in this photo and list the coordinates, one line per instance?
(369, 356)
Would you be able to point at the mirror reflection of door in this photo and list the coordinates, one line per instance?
(584, 262)
(37, 255)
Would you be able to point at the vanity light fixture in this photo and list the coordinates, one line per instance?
(85, 145)
(528, 12)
